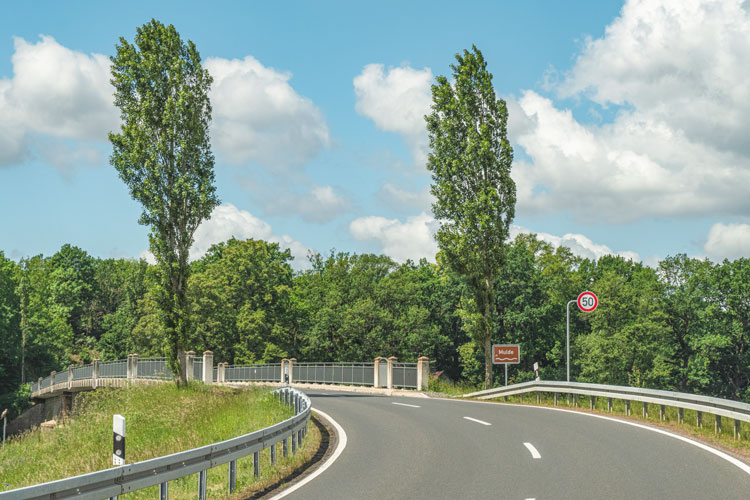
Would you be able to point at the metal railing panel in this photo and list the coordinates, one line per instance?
(405, 375)
(156, 368)
(113, 369)
(83, 372)
(46, 382)
(197, 368)
(61, 377)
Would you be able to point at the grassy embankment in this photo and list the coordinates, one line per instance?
(723, 440)
(160, 419)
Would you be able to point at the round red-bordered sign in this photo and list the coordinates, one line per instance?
(587, 301)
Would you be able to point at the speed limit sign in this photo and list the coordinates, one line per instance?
(587, 301)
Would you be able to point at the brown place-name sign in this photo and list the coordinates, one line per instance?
(506, 353)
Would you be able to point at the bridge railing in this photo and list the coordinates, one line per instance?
(116, 481)
(382, 373)
(718, 407)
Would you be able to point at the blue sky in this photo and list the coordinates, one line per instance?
(628, 121)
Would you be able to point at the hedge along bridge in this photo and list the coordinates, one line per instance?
(385, 373)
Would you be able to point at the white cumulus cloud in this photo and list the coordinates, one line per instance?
(319, 205)
(227, 221)
(56, 92)
(728, 241)
(257, 115)
(397, 101)
(413, 239)
(677, 147)
(579, 244)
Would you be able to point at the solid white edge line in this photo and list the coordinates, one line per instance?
(478, 421)
(341, 445)
(404, 404)
(743, 466)
(534, 453)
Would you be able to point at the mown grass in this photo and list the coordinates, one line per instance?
(160, 419)
(450, 388)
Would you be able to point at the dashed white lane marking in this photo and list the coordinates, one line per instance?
(336, 453)
(534, 454)
(478, 421)
(404, 404)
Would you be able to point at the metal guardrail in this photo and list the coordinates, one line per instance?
(159, 471)
(704, 404)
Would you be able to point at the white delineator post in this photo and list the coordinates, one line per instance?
(423, 372)
(208, 367)
(118, 438)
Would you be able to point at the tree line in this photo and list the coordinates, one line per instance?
(684, 325)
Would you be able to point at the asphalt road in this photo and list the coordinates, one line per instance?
(432, 450)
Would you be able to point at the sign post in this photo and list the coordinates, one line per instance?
(506, 354)
(587, 302)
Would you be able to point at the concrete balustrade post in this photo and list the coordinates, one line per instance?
(376, 372)
(95, 373)
(291, 369)
(52, 379)
(189, 365)
(39, 384)
(70, 377)
(283, 373)
(132, 367)
(423, 373)
(208, 367)
(391, 360)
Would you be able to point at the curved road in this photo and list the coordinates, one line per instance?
(419, 448)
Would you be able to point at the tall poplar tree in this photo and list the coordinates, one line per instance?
(163, 155)
(475, 197)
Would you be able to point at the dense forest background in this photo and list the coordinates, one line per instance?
(683, 326)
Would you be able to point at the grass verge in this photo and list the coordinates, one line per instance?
(160, 419)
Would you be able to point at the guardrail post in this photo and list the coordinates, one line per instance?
(291, 362)
(556, 396)
(645, 410)
(70, 377)
(285, 447)
(592, 402)
(256, 464)
(575, 400)
(737, 429)
(717, 425)
(208, 367)
(423, 373)
(202, 485)
(299, 438)
(294, 443)
(681, 415)
(189, 365)
(391, 360)
(273, 453)
(627, 407)
(232, 475)
(163, 491)
(94, 373)
(661, 412)
(609, 405)
(699, 419)
(521, 398)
